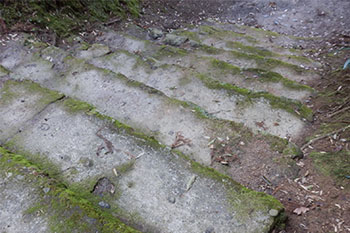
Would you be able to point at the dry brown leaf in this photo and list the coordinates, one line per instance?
(301, 210)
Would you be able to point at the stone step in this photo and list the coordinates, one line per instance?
(221, 100)
(232, 41)
(33, 201)
(103, 90)
(186, 55)
(20, 102)
(150, 187)
(280, 43)
(184, 118)
(253, 79)
(19, 192)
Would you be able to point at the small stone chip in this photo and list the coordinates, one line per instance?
(104, 205)
(273, 212)
(190, 182)
(46, 190)
(171, 199)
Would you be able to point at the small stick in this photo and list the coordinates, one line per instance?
(324, 136)
(337, 112)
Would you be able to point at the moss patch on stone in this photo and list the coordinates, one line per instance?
(270, 76)
(221, 34)
(169, 51)
(289, 105)
(9, 92)
(250, 49)
(69, 210)
(3, 71)
(242, 200)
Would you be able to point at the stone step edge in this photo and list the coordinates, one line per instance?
(210, 50)
(64, 197)
(294, 107)
(199, 112)
(75, 196)
(74, 105)
(245, 48)
(260, 30)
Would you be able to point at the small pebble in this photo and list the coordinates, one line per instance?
(20, 177)
(273, 212)
(104, 205)
(46, 190)
(210, 230)
(172, 200)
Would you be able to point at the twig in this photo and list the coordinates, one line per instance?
(337, 112)
(324, 136)
(112, 21)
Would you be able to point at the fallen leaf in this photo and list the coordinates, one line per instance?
(301, 210)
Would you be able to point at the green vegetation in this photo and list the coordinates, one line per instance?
(270, 76)
(242, 199)
(66, 16)
(69, 210)
(334, 164)
(250, 49)
(10, 91)
(289, 105)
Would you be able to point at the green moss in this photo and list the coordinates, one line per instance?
(3, 71)
(270, 76)
(242, 200)
(210, 49)
(334, 164)
(169, 51)
(9, 92)
(190, 35)
(74, 106)
(65, 17)
(266, 63)
(222, 34)
(126, 167)
(262, 31)
(224, 66)
(289, 105)
(300, 58)
(250, 49)
(68, 209)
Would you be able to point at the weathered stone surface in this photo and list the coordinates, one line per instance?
(187, 86)
(155, 33)
(144, 184)
(16, 197)
(191, 98)
(174, 40)
(19, 102)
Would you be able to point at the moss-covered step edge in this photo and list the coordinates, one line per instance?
(3, 71)
(63, 198)
(241, 46)
(262, 62)
(267, 33)
(264, 75)
(292, 106)
(48, 97)
(262, 200)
